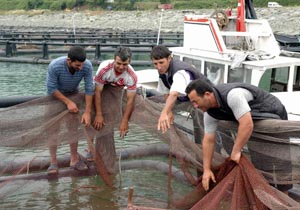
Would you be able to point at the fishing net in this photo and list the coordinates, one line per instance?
(270, 159)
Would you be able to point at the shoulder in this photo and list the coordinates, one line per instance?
(57, 64)
(87, 65)
(131, 73)
(58, 61)
(238, 93)
(131, 70)
(105, 66)
(106, 63)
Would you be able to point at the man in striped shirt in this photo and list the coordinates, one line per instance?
(64, 76)
(118, 73)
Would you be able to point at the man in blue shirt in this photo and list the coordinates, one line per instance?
(64, 76)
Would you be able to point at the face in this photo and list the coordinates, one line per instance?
(162, 65)
(201, 102)
(74, 65)
(121, 66)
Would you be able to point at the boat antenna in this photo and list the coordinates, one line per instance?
(159, 28)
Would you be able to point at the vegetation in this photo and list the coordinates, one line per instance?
(128, 4)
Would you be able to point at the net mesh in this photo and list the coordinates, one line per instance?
(270, 157)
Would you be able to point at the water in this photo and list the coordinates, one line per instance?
(22, 79)
(69, 192)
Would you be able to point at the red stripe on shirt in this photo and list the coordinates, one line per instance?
(98, 77)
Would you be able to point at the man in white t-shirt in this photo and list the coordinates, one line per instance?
(242, 103)
(174, 76)
(119, 73)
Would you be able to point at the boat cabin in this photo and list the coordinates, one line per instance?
(227, 55)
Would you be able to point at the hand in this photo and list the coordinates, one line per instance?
(163, 122)
(123, 129)
(98, 122)
(207, 176)
(235, 156)
(86, 119)
(72, 107)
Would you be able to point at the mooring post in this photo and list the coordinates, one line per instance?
(97, 51)
(8, 49)
(45, 50)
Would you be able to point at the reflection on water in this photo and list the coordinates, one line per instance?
(150, 187)
(22, 79)
(72, 193)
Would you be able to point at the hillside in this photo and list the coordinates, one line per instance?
(284, 19)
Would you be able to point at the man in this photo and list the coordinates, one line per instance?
(174, 76)
(233, 102)
(119, 74)
(63, 78)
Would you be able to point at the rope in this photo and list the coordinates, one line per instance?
(123, 141)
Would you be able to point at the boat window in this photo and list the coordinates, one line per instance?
(214, 72)
(275, 79)
(194, 62)
(239, 75)
(296, 83)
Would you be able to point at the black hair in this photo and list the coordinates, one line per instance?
(124, 53)
(77, 53)
(160, 52)
(200, 86)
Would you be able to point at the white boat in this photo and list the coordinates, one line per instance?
(234, 49)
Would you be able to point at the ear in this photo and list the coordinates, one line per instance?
(169, 58)
(207, 94)
(69, 61)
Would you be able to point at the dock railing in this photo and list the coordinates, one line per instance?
(19, 46)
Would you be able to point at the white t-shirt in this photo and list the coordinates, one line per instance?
(181, 79)
(237, 100)
(106, 75)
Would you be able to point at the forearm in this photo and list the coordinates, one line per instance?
(88, 103)
(243, 135)
(170, 101)
(208, 147)
(57, 94)
(128, 110)
(98, 101)
(129, 107)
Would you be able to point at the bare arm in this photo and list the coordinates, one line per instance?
(166, 117)
(99, 121)
(208, 147)
(243, 134)
(86, 117)
(127, 113)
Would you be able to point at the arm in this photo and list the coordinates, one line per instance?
(72, 107)
(244, 132)
(180, 81)
(208, 147)
(89, 92)
(86, 117)
(99, 121)
(238, 100)
(126, 116)
(166, 117)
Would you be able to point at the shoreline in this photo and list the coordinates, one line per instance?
(282, 20)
